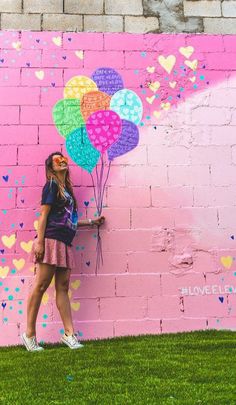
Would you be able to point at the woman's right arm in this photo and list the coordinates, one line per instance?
(39, 247)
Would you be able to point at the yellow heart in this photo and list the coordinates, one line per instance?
(154, 86)
(192, 64)
(36, 223)
(186, 51)
(75, 284)
(45, 298)
(16, 45)
(151, 69)
(172, 84)
(150, 99)
(4, 271)
(69, 293)
(80, 54)
(75, 306)
(167, 63)
(31, 268)
(27, 246)
(56, 41)
(157, 114)
(39, 74)
(9, 241)
(19, 264)
(52, 282)
(165, 106)
(192, 79)
(226, 261)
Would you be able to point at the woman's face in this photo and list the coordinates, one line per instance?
(59, 163)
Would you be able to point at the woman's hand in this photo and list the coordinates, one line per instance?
(99, 221)
(39, 250)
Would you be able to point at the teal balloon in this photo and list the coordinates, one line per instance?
(67, 116)
(80, 149)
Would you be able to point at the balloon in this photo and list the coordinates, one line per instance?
(128, 105)
(67, 116)
(80, 149)
(78, 86)
(127, 141)
(93, 101)
(103, 128)
(108, 80)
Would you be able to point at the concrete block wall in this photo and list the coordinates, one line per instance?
(169, 238)
(135, 16)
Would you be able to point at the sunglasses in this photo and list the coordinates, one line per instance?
(59, 160)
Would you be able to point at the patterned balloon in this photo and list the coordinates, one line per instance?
(67, 116)
(127, 141)
(93, 101)
(128, 105)
(80, 149)
(78, 86)
(103, 128)
(108, 80)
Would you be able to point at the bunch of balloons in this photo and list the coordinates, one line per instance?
(98, 117)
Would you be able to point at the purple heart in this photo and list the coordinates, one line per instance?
(88, 263)
(2, 251)
(69, 39)
(64, 57)
(4, 304)
(178, 95)
(221, 299)
(22, 280)
(22, 201)
(5, 178)
(2, 60)
(28, 64)
(86, 203)
(127, 140)
(21, 224)
(232, 236)
(53, 84)
(38, 40)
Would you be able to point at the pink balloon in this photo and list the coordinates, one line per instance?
(103, 128)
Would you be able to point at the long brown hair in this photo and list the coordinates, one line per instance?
(51, 175)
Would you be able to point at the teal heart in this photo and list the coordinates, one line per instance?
(80, 149)
(67, 116)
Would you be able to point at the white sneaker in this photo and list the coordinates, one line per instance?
(71, 341)
(30, 343)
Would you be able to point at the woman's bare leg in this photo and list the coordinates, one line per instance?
(44, 276)
(62, 281)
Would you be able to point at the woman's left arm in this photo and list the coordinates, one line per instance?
(86, 222)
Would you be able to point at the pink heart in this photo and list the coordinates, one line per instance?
(98, 130)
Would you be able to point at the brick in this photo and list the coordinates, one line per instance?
(204, 306)
(146, 175)
(123, 308)
(138, 285)
(63, 22)
(141, 24)
(228, 8)
(8, 155)
(125, 41)
(162, 155)
(88, 309)
(112, 59)
(148, 262)
(164, 307)
(183, 324)
(188, 175)
(43, 114)
(19, 96)
(219, 26)
(7, 199)
(103, 23)
(14, 134)
(83, 40)
(84, 7)
(229, 177)
(210, 155)
(196, 217)
(11, 76)
(210, 116)
(21, 21)
(95, 286)
(225, 216)
(128, 197)
(9, 115)
(172, 285)
(134, 328)
(150, 218)
(202, 8)
(94, 329)
(172, 196)
(132, 7)
(129, 240)
(52, 6)
(10, 6)
(34, 154)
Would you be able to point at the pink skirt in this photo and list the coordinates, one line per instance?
(56, 253)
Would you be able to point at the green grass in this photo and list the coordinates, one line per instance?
(185, 368)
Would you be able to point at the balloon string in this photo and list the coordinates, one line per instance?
(104, 185)
(94, 189)
(100, 186)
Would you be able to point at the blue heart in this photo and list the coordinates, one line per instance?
(221, 299)
(86, 203)
(88, 263)
(5, 178)
(232, 236)
(21, 224)
(4, 304)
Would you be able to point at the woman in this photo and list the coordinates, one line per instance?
(52, 249)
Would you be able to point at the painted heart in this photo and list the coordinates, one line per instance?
(167, 63)
(186, 51)
(226, 261)
(9, 241)
(21, 224)
(150, 99)
(36, 223)
(165, 106)
(86, 203)
(79, 54)
(4, 271)
(23, 280)
(151, 69)
(2, 251)
(172, 84)
(45, 298)
(75, 306)
(16, 45)
(88, 263)
(221, 299)
(4, 304)
(26, 246)
(39, 74)
(28, 64)
(157, 114)
(191, 64)
(192, 79)
(19, 263)
(5, 178)
(57, 41)
(75, 284)
(154, 86)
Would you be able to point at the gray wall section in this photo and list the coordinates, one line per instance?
(136, 16)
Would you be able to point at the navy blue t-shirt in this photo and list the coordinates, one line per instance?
(63, 217)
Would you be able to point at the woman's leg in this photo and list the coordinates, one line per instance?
(62, 281)
(44, 276)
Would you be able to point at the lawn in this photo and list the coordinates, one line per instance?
(185, 368)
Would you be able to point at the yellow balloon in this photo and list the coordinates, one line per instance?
(78, 86)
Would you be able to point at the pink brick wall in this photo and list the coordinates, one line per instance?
(168, 241)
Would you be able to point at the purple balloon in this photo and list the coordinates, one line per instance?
(108, 80)
(127, 141)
